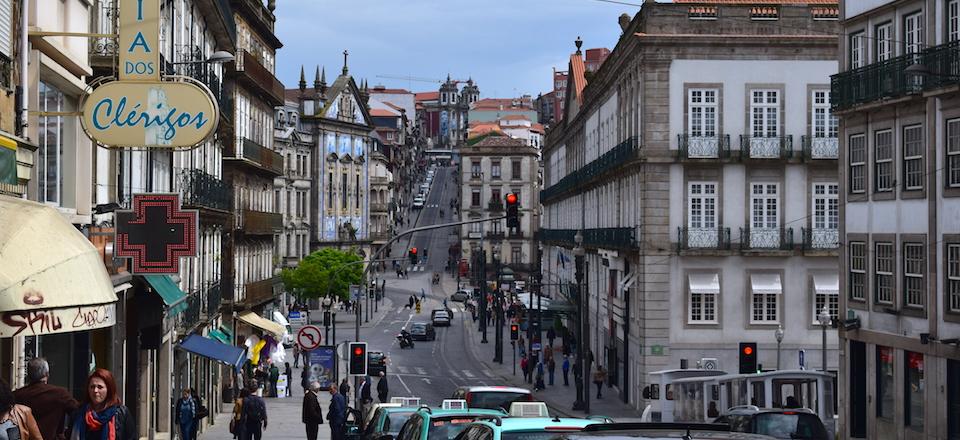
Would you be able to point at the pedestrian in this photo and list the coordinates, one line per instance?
(311, 415)
(337, 414)
(566, 369)
(288, 372)
(236, 422)
(525, 368)
(551, 366)
(551, 335)
(48, 403)
(102, 415)
(305, 378)
(306, 359)
(538, 384)
(274, 377)
(185, 413)
(599, 377)
(423, 294)
(253, 416)
(411, 301)
(345, 388)
(365, 396)
(263, 379)
(201, 412)
(20, 416)
(296, 356)
(383, 389)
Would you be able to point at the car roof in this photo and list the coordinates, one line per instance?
(429, 413)
(613, 431)
(494, 389)
(538, 423)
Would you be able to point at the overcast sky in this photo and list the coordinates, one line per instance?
(507, 46)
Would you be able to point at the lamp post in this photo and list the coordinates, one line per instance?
(779, 335)
(582, 383)
(218, 57)
(498, 310)
(921, 70)
(326, 305)
(824, 319)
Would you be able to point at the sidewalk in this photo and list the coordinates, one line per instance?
(558, 397)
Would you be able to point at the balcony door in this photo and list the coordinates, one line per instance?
(826, 215)
(703, 120)
(765, 123)
(765, 215)
(702, 229)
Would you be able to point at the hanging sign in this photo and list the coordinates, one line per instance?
(141, 109)
(156, 233)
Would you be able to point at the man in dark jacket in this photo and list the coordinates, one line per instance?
(49, 403)
(383, 389)
(365, 397)
(337, 414)
(312, 415)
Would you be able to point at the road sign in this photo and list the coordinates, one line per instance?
(309, 337)
(536, 346)
(355, 291)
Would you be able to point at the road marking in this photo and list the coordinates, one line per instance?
(488, 373)
(404, 385)
(425, 380)
(454, 373)
(403, 370)
(421, 371)
(467, 373)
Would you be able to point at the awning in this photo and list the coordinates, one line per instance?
(227, 332)
(171, 294)
(208, 348)
(766, 283)
(8, 161)
(262, 324)
(704, 283)
(827, 284)
(219, 335)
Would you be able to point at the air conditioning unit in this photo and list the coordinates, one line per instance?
(529, 409)
(709, 364)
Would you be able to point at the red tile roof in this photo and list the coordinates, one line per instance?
(384, 90)
(577, 71)
(537, 128)
(426, 96)
(501, 141)
(382, 112)
(515, 118)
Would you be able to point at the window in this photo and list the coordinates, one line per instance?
(475, 197)
(824, 123)
(953, 20)
(884, 272)
(357, 192)
(831, 300)
(476, 229)
(764, 206)
(826, 206)
(858, 158)
(515, 171)
(857, 55)
(883, 36)
(515, 254)
(883, 161)
(50, 141)
(913, 289)
(495, 195)
(495, 168)
(914, 387)
(704, 288)
(953, 153)
(885, 402)
(913, 33)
(703, 112)
(330, 191)
(766, 290)
(475, 169)
(858, 270)
(765, 113)
(702, 201)
(343, 191)
(913, 157)
(953, 277)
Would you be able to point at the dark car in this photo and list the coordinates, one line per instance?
(376, 363)
(776, 422)
(422, 331)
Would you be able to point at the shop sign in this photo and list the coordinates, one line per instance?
(141, 110)
(60, 320)
(156, 233)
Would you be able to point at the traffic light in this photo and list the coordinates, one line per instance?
(412, 254)
(748, 357)
(513, 210)
(514, 332)
(358, 359)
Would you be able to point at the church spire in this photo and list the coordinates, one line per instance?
(345, 53)
(303, 80)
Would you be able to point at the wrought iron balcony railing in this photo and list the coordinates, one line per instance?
(769, 147)
(615, 158)
(815, 148)
(820, 238)
(703, 147)
(556, 235)
(190, 317)
(258, 76)
(260, 223)
(214, 298)
(766, 239)
(103, 21)
(495, 235)
(703, 238)
(610, 238)
(379, 207)
(203, 190)
(260, 292)
(264, 157)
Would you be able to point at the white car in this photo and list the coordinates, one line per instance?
(424, 186)
(418, 202)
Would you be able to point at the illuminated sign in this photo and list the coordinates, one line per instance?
(141, 110)
(156, 233)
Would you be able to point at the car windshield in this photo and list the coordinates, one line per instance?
(449, 427)
(418, 328)
(786, 425)
(394, 421)
(495, 400)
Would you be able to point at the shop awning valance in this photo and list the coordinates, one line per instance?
(208, 348)
(827, 284)
(262, 324)
(172, 296)
(705, 283)
(219, 336)
(766, 283)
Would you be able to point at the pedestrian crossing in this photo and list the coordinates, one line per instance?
(417, 268)
(458, 375)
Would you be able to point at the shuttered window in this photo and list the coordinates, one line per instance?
(6, 28)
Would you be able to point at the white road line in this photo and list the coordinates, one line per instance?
(488, 373)
(404, 385)
(454, 373)
(403, 370)
(421, 371)
(467, 373)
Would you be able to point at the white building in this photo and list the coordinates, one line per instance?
(293, 188)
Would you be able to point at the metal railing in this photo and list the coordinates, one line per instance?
(611, 238)
(820, 238)
(703, 238)
(616, 157)
(768, 147)
(190, 317)
(266, 158)
(103, 21)
(259, 76)
(703, 147)
(556, 235)
(206, 191)
(766, 239)
(815, 148)
(884, 79)
(495, 235)
(260, 223)
(214, 298)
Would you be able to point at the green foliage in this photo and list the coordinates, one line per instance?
(313, 276)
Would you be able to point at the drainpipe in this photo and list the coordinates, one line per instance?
(24, 69)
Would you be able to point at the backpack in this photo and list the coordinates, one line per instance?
(253, 410)
(9, 430)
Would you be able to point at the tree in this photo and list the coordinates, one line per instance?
(311, 277)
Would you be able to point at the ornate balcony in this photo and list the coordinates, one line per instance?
(260, 223)
(771, 147)
(703, 238)
(495, 235)
(495, 205)
(557, 236)
(609, 238)
(766, 239)
(260, 292)
(254, 75)
(699, 147)
(249, 152)
(820, 239)
(214, 298)
(103, 20)
(202, 190)
(379, 207)
(618, 156)
(816, 148)
(190, 317)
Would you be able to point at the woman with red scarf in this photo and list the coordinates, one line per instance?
(102, 416)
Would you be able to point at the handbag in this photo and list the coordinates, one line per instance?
(202, 412)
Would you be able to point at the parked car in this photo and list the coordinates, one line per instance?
(386, 420)
(376, 363)
(437, 423)
(643, 431)
(523, 428)
(440, 317)
(496, 397)
(460, 295)
(418, 202)
(422, 331)
(784, 423)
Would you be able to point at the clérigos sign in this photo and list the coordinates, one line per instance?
(141, 109)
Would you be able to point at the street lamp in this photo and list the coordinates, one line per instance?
(582, 382)
(824, 319)
(779, 335)
(218, 57)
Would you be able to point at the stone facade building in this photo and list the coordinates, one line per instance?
(900, 179)
(292, 190)
(699, 162)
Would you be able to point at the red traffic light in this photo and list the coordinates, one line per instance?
(511, 199)
(748, 350)
(357, 351)
(514, 328)
(413, 250)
